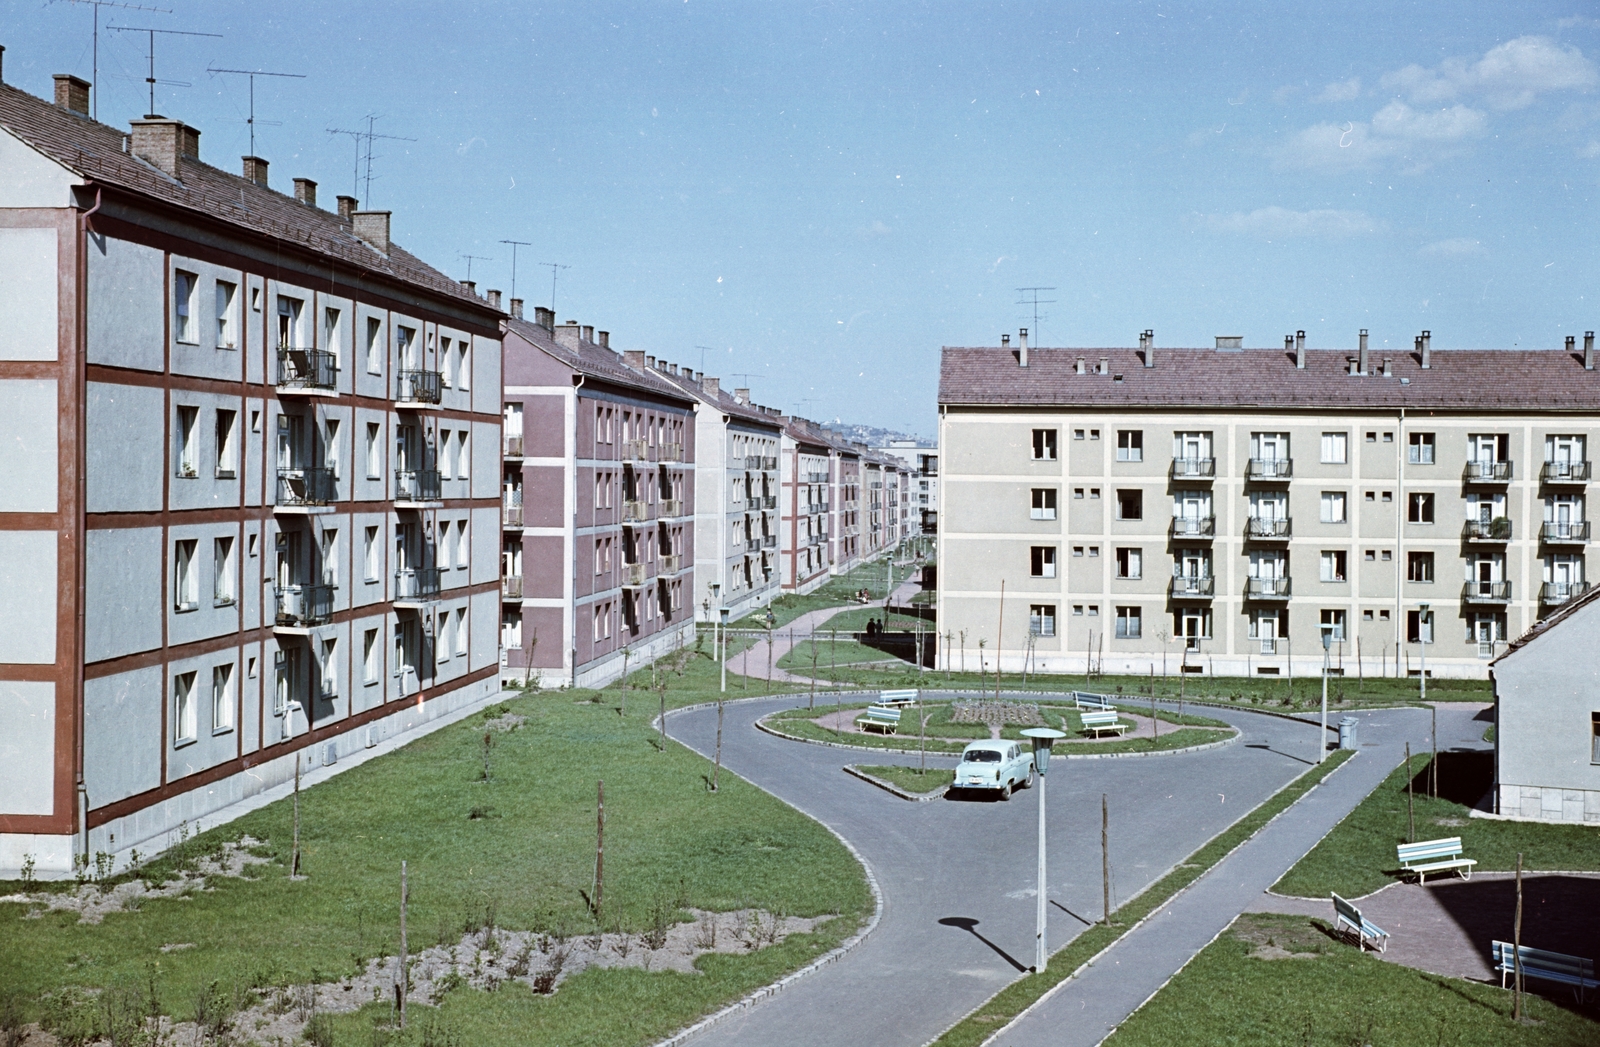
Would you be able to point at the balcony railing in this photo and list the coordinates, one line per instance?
(1193, 587)
(310, 486)
(416, 584)
(758, 462)
(1565, 472)
(1194, 526)
(752, 545)
(302, 606)
(1263, 529)
(636, 450)
(633, 575)
(511, 510)
(1194, 468)
(765, 501)
(1486, 592)
(769, 541)
(513, 447)
(816, 508)
(671, 563)
(511, 586)
(1497, 529)
(672, 507)
(1486, 473)
(1554, 532)
(307, 371)
(635, 512)
(669, 451)
(1270, 469)
(1266, 588)
(1554, 593)
(417, 387)
(815, 478)
(417, 485)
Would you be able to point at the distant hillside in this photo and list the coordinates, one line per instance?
(872, 435)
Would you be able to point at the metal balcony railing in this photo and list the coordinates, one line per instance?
(672, 507)
(513, 447)
(1486, 473)
(1554, 593)
(1554, 532)
(636, 450)
(816, 508)
(769, 541)
(1263, 529)
(1194, 526)
(416, 584)
(669, 451)
(635, 512)
(1193, 587)
(417, 485)
(1565, 472)
(312, 485)
(511, 586)
(1270, 469)
(752, 545)
(1497, 529)
(306, 371)
(766, 501)
(1486, 592)
(1194, 468)
(633, 575)
(301, 606)
(1266, 588)
(816, 478)
(417, 387)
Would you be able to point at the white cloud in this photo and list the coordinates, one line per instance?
(1280, 223)
(1509, 76)
(1341, 90)
(1458, 247)
(1396, 131)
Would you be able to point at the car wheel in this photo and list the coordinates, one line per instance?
(1029, 783)
(1005, 791)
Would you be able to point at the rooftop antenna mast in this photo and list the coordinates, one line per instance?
(366, 138)
(151, 79)
(481, 258)
(252, 74)
(95, 65)
(514, 245)
(555, 268)
(1030, 296)
(704, 349)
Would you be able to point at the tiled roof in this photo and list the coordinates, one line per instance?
(596, 361)
(1459, 379)
(1543, 626)
(94, 151)
(722, 400)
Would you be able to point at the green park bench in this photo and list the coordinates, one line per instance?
(1575, 971)
(879, 718)
(1347, 915)
(1102, 721)
(1426, 856)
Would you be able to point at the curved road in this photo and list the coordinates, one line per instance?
(958, 876)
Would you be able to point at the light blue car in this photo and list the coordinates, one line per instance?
(995, 765)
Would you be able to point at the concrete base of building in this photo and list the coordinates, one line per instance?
(153, 829)
(1012, 664)
(1546, 804)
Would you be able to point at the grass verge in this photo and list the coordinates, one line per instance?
(909, 778)
(1006, 1004)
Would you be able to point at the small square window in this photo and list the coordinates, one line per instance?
(1094, 610)
(1077, 434)
(1094, 492)
(1094, 434)
(1366, 615)
(1094, 550)
(1077, 609)
(1372, 436)
(1383, 614)
(1372, 496)
(1077, 492)
(1388, 555)
(1388, 496)
(1077, 550)
(1372, 554)
(1388, 438)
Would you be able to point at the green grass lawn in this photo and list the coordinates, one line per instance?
(1358, 857)
(1315, 991)
(872, 577)
(529, 857)
(909, 778)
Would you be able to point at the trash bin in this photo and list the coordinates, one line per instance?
(1347, 732)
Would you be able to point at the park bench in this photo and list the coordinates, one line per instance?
(1088, 700)
(1575, 971)
(897, 698)
(1347, 915)
(879, 718)
(1102, 721)
(1426, 856)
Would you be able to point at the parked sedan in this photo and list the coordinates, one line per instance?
(995, 765)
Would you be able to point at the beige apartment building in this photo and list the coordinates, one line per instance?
(1219, 510)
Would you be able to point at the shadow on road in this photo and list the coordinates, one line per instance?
(970, 925)
(1081, 919)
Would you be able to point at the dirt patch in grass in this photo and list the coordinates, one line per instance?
(92, 901)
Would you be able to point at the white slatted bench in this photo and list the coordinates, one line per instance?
(1576, 971)
(879, 718)
(1102, 721)
(1347, 915)
(1089, 700)
(1426, 856)
(897, 698)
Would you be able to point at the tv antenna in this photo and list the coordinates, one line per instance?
(470, 257)
(514, 245)
(252, 74)
(704, 349)
(94, 75)
(151, 79)
(365, 139)
(1031, 297)
(555, 268)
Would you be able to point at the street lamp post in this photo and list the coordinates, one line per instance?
(1424, 634)
(1042, 738)
(724, 650)
(1322, 734)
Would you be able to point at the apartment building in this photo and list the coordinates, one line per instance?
(248, 515)
(598, 506)
(1219, 510)
(806, 491)
(847, 471)
(920, 483)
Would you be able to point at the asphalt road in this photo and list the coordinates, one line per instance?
(958, 876)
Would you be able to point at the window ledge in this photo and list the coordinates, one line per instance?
(227, 474)
(226, 602)
(221, 730)
(227, 348)
(183, 743)
(185, 608)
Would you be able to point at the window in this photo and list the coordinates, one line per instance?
(1044, 445)
(1333, 565)
(405, 343)
(1333, 624)
(1094, 610)
(442, 652)
(1094, 492)
(598, 547)
(1371, 555)
(1129, 623)
(1077, 492)
(1333, 506)
(1094, 434)
(1419, 507)
(464, 367)
(1335, 449)
(183, 710)
(222, 698)
(183, 285)
(1077, 550)
(461, 630)
(464, 464)
(330, 556)
(446, 456)
(374, 345)
(1077, 434)
(255, 299)
(290, 335)
(446, 547)
(227, 315)
(447, 364)
(1419, 567)
(185, 576)
(330, 667)
(1418, 628)
(1130, 505)
(1421, 450)
(1594, 737)
(1372, 496)
(1094, 550)
(223, 580)
(1372, 436)
(332, 457)
(331, 340)
(374, 451)
(188, 450)
(369, 656)
(1388, 496)
(1044, 503)
(1130, 563)
(1043, 561)
(1130, 445)
(227, 446)
(1042, 618)
(1388, 555)
(371, 552)
(463, 547)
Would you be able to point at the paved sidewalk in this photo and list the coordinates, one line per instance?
(785, 637)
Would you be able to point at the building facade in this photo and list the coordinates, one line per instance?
(249, 513)
(807, 464)
(1219, 510)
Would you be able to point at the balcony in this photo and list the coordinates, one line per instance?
(307, 490)
(416, 587)
(635, 512)
(1193, 587)
(1486, 592)
(416, 390)
(417, 489)
(1266, 588)
(512, 447)
(1571, 532)
(307, 372)
(299, 607)
(752, 545)
(633, 575)
(671, 563)
(1194, 527)
(815, 478)
(636, 450)
(1270, 470)
(511, 510)
(1486, 473)
(769, 541)
(1262, 529)
(672, 507)
(759, 462)
(816, 508)
(669, 451)
(1194, 468)
(1495, 530)
(1565, 472)
(764, 501)
(1553, 594)
(511, 587)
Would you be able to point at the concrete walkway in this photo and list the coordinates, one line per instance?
(786, 637)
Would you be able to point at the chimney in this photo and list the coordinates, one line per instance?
(713, 386)
(1388, 367)
(604, 339)
(494, 298)
(1425, 347)
(255, 170)
(649, 363)
(567, 334)
(2, 63)
(1572, 345)
(545, 318)
(1588, 350)
(516, 308)
(305, 190)
(742, 395)
(1005, 341)
(1022, 347)
(1148, 341)
(634, 358)
(1299, 343)
(373, 227)
(588, 333)
(72, 93)
(1363, 360)
(347, 207)
(1105, 366)
(471, 286)
(164, 142)
(1079, 369)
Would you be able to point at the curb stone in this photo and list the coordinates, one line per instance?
(893, 788)
(762, 725)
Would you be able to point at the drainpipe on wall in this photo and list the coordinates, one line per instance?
(81, 380)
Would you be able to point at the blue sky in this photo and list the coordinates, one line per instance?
(824, 194)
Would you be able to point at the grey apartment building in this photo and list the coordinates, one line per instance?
(249, 513)
(1220, 509)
